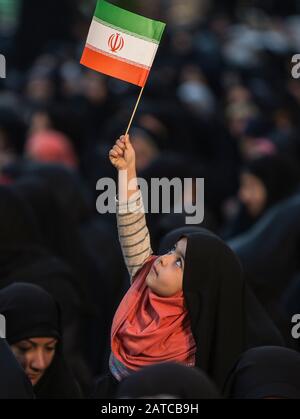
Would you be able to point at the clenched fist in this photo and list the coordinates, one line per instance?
(122, 155)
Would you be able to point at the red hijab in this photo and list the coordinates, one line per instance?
(148, 329)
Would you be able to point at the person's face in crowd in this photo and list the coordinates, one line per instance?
(236, 125)
(166, 275)
(153, 124)
(182, 42)
(35, 356)
(238, 115)
(40, 121)
(40, 89)
(145, 151)
(93, 87)
(252, 194)
(238, 94)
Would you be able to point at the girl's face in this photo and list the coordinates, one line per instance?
(35, 356)
(166, 275)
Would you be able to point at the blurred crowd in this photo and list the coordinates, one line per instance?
(220, 104)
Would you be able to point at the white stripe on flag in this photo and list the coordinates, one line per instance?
(135, 49)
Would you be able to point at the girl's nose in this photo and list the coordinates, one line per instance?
(164, 259)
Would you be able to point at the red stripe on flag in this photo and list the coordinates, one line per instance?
(114, 67)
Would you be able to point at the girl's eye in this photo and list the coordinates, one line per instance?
(179, 260)
(51, 349)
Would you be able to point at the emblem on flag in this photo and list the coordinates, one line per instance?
(116, 42)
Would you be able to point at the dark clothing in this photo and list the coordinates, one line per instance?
(26, 231)
(168, 241)
(168, 379)
(105, 387)
(279, 175)
(266, 372)
(226, 318)
(269, 252)
(13, 382)
(280, 178)
(42, 317)
(31, 312)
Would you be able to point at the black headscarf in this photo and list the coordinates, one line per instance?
(269, 251)
(31, 312)
(168, 379)
(13, 382)
(265, 372)
(279, 175)
(42, 313)
(226, 318)
(168, 241)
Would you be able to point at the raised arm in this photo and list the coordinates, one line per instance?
(131, 220)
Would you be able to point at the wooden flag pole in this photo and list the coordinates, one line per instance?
(134, 111)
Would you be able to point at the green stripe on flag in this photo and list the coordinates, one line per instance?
(128, 21)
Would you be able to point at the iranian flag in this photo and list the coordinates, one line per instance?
(121, 44)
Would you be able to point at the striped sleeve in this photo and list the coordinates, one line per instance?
(133, 233)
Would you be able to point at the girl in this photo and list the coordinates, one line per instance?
(190, 305)
(34, 335)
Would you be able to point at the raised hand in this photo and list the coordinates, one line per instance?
(122, 155)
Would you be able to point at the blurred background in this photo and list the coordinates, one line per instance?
(220, 103)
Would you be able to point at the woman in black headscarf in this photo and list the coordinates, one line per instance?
(268, 372)
(34, 335)
(13, 382)
(168, 380)
(264, 182)
(226, 319)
